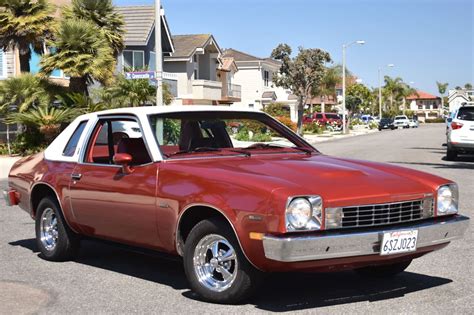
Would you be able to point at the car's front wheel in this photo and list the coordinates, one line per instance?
(383, 271)
(215, 266)
(56, 241)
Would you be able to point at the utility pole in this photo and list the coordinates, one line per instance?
(158, 55)
(359, 42)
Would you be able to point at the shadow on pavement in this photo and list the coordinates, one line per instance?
(449, 165)
(125, 261)
(280, 292)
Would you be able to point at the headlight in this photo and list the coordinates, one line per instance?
(304, 213)
(447, 199)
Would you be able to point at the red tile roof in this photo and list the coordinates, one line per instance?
(422, 96)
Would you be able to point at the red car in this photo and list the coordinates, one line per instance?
(323, 119)
(173, 179)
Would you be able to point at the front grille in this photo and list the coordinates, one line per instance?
(388, 213)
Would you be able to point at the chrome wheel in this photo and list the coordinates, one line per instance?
(215, 263)
(49, 229)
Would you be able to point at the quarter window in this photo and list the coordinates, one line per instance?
(71, 146)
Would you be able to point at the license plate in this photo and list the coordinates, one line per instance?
(399, 242)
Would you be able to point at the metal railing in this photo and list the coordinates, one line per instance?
(234, 90)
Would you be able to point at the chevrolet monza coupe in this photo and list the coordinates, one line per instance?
(234, 192)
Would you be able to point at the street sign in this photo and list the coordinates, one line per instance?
(149, 75)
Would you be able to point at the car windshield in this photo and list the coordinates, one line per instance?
(386, 120)
(224, 133)
(400, 117)
(466, 113)
(332, 116)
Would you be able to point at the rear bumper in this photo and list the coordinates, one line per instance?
(350, 244)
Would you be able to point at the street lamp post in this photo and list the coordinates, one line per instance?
(359, 42)
(390, 65)
(158, 55)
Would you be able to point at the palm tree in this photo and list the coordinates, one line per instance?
(137, 92)
(406, 91)
(82, 52)
(22, 92)
(394, 88)
(101, 13)
(25, 24)
(468, 86)
(442, 89)
(47, 119)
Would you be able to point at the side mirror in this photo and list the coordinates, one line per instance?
(124, 159)
(449, 119)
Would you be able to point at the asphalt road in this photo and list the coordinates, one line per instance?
(107, 279)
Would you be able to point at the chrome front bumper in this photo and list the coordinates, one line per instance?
(349, 244)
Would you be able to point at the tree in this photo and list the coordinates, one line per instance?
(22, 92)
(25, 24)
(442, 89)
(46, 118)
(393, 88)
(358, 98)
(103, 14)
(468, 86)
(137, 92)
(82, 52)
(302, 74)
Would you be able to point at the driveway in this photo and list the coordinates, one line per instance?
(109, 279)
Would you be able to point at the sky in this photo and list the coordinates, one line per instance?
(426, 40)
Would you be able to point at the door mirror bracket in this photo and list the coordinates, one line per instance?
(124, 159)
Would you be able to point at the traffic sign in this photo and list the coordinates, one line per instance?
(149, 75)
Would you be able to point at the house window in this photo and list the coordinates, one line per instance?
(195, 74)
(250, 105)
(134, 59)
(195, 58)
(3, 64)
(266, 76)
(152, 63)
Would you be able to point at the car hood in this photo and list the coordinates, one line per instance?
(339, 181)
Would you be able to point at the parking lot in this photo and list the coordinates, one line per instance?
(109, 279)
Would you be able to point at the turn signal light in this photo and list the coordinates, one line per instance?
(456, 125)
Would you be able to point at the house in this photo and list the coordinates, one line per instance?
(426, 106)
(203, 76)
(458, 97)
(139, 42)
(256, 78)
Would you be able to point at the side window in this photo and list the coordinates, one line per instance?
(71, 146)
(319, 116)
(114, 136)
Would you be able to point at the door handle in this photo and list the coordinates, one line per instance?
(76, 176)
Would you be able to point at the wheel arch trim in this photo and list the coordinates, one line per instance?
(193, 205)
(57, 198)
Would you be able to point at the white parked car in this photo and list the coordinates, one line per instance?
(401, 121)
(413, 123)
(460, 136)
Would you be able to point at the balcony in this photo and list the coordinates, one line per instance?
(207, 90)
(231, 92)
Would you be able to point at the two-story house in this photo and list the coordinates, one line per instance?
(256, 77)
(203, 76)
(426, 106)
(458, 97)
(139, 41)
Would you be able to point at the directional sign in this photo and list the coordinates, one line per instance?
(149, 75)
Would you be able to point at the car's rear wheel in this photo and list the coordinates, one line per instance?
(215, 266)
(451, 154)
(383, 271)
(56, 241)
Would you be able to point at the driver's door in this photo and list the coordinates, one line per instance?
(108, 203)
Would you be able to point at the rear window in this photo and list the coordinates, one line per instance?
(72, 143)
(466, 113)
(332, 116)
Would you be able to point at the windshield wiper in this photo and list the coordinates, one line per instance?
(272, 146)
(199, 149)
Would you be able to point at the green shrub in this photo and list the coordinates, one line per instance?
(373, 125)
(314, 127)
(277, 109)
(243, 135)
(436, 120)
(261, 137)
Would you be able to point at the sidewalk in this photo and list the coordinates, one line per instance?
(312, 139)
(6, 163)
